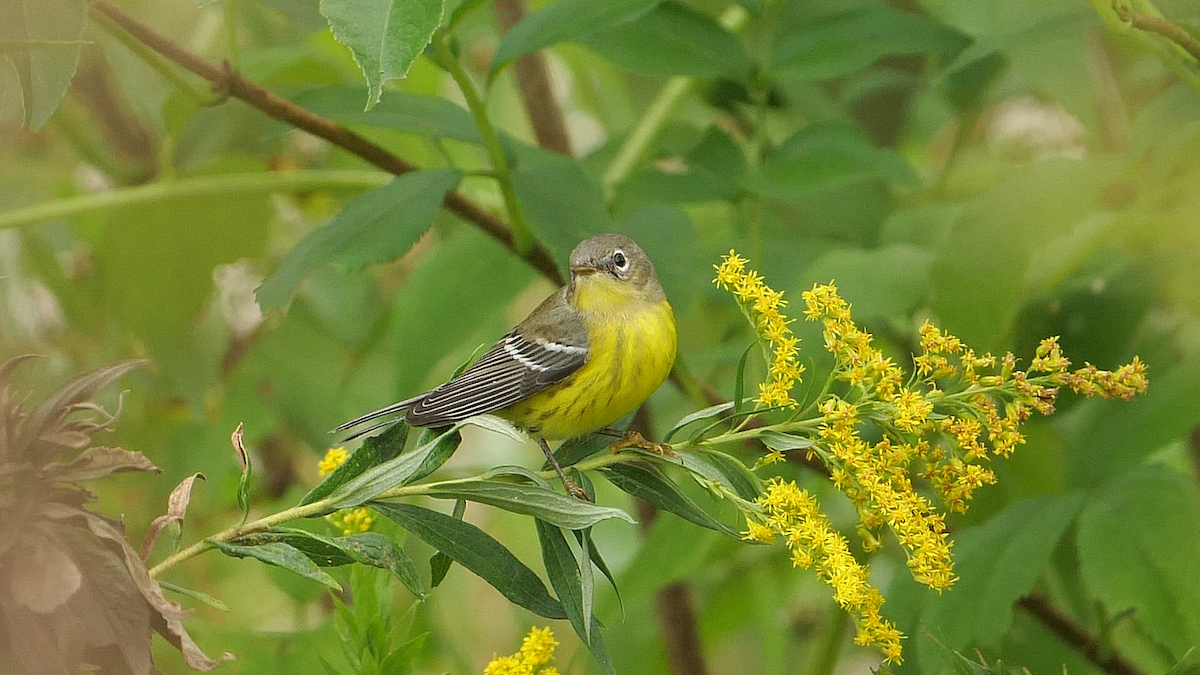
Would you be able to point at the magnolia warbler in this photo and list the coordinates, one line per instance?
(587, 356)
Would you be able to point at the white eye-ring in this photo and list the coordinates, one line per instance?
(620, 260)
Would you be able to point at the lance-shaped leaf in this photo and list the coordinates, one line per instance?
(282, 555)
(566, 20)
(475, 550)
(199, 596)
(439, 563)
(378, 226)
(564, 572)
(373, 451)
(649, 484)
(397, 471)
(177, 505)
(718, 467)
(777, 440)
(368, 548)
(243, 493)
(531, 500)
(44, 73)
(385, 36)
(707, 413)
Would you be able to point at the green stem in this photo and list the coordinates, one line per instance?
(522, 234)
(231, 32)
(152, 59)
(640, 141)
(259, 525)
(248, 183)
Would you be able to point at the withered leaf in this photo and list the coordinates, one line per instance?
(46, 419)
(177, 505)
(98, 462)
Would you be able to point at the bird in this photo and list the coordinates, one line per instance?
(584, 358)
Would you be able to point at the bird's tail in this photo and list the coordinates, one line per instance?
(389, 412)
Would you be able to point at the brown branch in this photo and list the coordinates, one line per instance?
(237, 86)
(533, 79)
(672, 603)
(1157, 24)
(1077, 636)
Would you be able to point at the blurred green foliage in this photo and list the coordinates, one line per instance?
(1012, 169)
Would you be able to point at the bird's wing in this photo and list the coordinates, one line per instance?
(543, 349)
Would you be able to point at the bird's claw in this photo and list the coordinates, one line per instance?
(575, 491)
(633, 439)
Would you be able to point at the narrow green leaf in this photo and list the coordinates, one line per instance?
(709, 412)
(472, 548)
(497, 425)
(598, 561)
(394, 472)
(280, 555)
(649, 484)
(373, 451)
(439, 563)
(320, 549)
(378, 226)
(533, 500)
(672, 39)
(573, 451)
(739, 379)
(385, 36)
(566, 20)
(203, 598)
(563, 571)
(443, 447)
(784, 442)
(44, 73)
(587, 583)
(518, 474)
(716, 466)
(377, 550)
(243, 493)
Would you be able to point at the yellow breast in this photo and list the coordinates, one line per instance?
(631, 350)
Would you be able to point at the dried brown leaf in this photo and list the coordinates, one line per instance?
(177, 505)
(98, 462)
(46, 419)
(238, 446)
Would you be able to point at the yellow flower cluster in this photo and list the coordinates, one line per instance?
(536, 651)
(794, 515)
(875, 478)
(762, 305)
(349, 521)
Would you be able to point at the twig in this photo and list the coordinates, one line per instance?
(1076, 636)
(281, 109)
(533, 79)
(1157, 24)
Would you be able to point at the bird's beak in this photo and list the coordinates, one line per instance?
(583, 270)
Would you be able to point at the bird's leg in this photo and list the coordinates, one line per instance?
(610, 431)
(572, 489)
(633, 439)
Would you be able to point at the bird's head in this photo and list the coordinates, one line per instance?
(609, 270)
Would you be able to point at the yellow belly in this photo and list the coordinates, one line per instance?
(628, 359)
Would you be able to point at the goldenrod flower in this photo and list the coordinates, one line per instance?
(537, 650)
(762, 306)
(793, 514)
(334, 457)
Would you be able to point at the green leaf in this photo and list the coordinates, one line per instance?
(578, 448)
(672, 39)
(376, 550)
(563, 204)
(497, 425)
(442, 449)
(393, 472)
(739, 378)
(841, 44)
(385, 36)
(243, 492)
(378, 226)
(401, 111)
(777, 440)
(203, 598)
(439, 563)
(566, 20)
(472, 548)
(707, 413)
(532, 500)
(651, 485)
(280, 555)
(716, 466)
(562, 568)
(44, 73)
(373, 451)
(823, 156)
(1139, 540)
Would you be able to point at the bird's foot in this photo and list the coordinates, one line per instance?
(632, 439)
(575, 491)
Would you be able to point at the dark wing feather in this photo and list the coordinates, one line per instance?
(550, 344)
(513, 370)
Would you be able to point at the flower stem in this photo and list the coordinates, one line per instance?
(522, 234)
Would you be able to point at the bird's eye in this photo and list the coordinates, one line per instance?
(620, 261)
